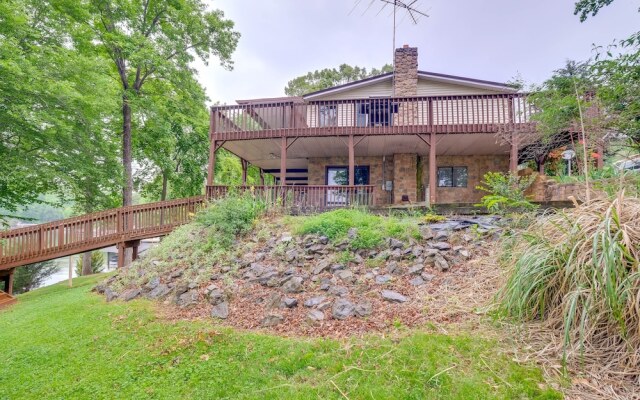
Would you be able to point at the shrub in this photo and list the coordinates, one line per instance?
(506, 192)
(230, 216)
(97, 263)
(32, 276)
(577, 271)
(372, 229)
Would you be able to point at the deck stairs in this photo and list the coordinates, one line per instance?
(6, 299)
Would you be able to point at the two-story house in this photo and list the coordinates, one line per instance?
(409, 136)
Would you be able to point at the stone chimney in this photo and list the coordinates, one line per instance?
(405, 77)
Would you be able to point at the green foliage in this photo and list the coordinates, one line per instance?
(56, 111)
(31, 276)
(229, 217)
(586, 8)
(97, 263)
(371, 229)
(506, 192)
(58, 334)
(329, 77)
(577, 270)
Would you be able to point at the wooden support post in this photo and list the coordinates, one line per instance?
(433, 175)
(352, 162)
(212, 149)
(244, 170)
(283, 161)
(9, 281)
(135, 244)
(121, 252)
(513, 158)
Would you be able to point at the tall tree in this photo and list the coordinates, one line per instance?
(149, 40)
(329, 77)
(173, 146)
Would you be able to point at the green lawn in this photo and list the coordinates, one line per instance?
(66, 343)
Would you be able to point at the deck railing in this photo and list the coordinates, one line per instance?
(398, 115)
(303, 198)
(91, 231)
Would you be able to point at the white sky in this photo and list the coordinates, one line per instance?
(483, 39)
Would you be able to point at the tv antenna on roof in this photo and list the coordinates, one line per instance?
(408, 5)
(412, 12)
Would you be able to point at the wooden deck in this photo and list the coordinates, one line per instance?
(374, 116)
(122, 226)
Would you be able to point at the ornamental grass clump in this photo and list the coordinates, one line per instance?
(577, 272)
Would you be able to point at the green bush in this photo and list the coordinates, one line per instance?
(506, 192)
(97, 263)
(371, 229)
(230, 216)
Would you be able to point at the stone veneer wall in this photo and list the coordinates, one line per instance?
(317, 172)
(477, 166)
(405, 182)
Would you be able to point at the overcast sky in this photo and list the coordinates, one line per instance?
(483, 39)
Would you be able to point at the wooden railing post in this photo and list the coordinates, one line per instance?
(61, 236)
(40, 240)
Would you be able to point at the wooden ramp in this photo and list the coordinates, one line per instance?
(6, 300)
(123, 227)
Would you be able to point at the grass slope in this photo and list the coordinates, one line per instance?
(69, 344)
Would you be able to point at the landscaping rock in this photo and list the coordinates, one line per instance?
(441, 246)
(380, 279)
(427, 276)
(130, 294)
(110, 294)
(181, 288)
(187, 299)
(220, 311)
(293, 285)
(338, 291)
(315, 316)
(441, 263)
(176, 274)
(395, 244)
(153, 283)
(352, 233)
(342, 309)
(416, 269)
(393, 297)
(320, 268)
(337, 267)
(159, 292)
(216, 296)
(290, 302)
(345, 275)
(272, 320)
(426, 233)
(392, 267)
(314, 301)
(417, 281)
(363, 309)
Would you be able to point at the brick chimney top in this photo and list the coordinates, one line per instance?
(405, 74)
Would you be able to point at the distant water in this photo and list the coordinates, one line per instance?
(62, 274)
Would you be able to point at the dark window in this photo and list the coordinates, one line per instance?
(452, 176)
(328, 115)
(340, 175)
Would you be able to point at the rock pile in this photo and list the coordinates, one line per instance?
(312, 281)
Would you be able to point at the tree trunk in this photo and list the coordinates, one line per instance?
(127, 190)
(86, 264)
(163, 195)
